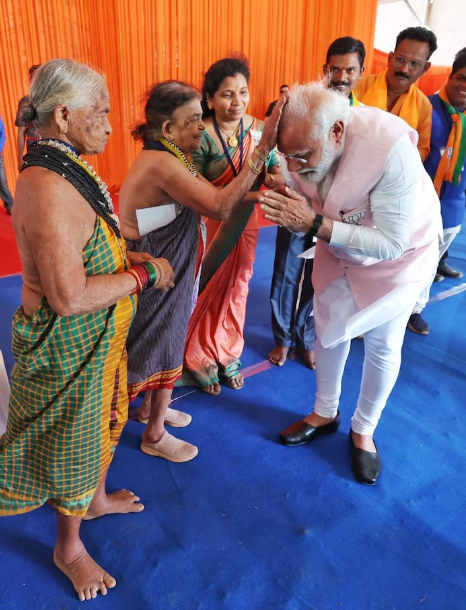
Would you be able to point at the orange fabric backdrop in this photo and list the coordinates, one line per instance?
(138, 42)
(430, 83)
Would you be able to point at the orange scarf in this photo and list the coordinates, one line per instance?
(452, 161)
(377, 96)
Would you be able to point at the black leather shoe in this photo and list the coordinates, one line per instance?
(301, 433)
(418, 325)
(447, 271)
(366, 465)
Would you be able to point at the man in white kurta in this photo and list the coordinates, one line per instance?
(360, 187)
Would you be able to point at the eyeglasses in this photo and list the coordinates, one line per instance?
(302, 160)
(399, 61)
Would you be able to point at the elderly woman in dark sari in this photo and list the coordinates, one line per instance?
(161, 201)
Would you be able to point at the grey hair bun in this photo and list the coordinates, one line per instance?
(29, 113)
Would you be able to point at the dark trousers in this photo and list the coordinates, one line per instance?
(292, 322)
(5, 194)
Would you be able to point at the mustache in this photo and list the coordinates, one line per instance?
(401, 75)
(342, 83)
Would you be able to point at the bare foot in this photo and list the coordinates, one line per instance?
(279, 355)
(122, 502)
(213, 389)
(309, 358)
(236, 382)
(87, 576)
(364, 442)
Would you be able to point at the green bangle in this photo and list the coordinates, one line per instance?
(151, 272)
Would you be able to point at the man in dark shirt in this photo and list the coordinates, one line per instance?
(283, 91)
(27, 132)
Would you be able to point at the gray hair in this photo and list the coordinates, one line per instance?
(317, 102)
(61, 81)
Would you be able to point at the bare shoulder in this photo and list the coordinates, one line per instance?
(46, 202)
(45, 190)
(143, 184)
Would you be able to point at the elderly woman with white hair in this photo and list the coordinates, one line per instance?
(358, 186)
(68, 395)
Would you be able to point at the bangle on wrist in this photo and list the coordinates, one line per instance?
(144, 275)
(253, 167)
(316, 225)
(151, 272)
(135, 275)
(260, 156)
(160, 273)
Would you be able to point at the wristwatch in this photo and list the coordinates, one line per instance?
(316, 225)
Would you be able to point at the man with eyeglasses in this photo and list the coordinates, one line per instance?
(394, 89)
(292, 319)
(346, 168)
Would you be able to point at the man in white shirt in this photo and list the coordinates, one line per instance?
(360, 188)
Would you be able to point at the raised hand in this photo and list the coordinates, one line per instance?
(269, 135)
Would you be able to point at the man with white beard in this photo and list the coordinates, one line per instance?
(358, 185)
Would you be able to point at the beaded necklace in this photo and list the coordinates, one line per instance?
(187, 160)
(68, 150)
(56, 156)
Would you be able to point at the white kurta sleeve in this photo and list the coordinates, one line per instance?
(392, 206)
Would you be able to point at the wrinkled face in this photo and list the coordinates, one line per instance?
(407, 64)
(309, 157)
(231, 99)
(89, 127)
(186, 126)
(344, 72)
(456, 89)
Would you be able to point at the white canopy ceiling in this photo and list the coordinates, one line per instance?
(447, 18)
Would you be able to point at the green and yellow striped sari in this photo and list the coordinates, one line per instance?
(69, 398)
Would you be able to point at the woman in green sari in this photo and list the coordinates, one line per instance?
(215, 336)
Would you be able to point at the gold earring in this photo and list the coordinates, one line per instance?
(209, 105)
(64, 130)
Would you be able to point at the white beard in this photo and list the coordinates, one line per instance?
(328, 155)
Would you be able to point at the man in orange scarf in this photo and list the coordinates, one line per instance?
(394, 89)
(445, 165)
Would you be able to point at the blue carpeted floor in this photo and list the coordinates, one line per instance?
(252, 525)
